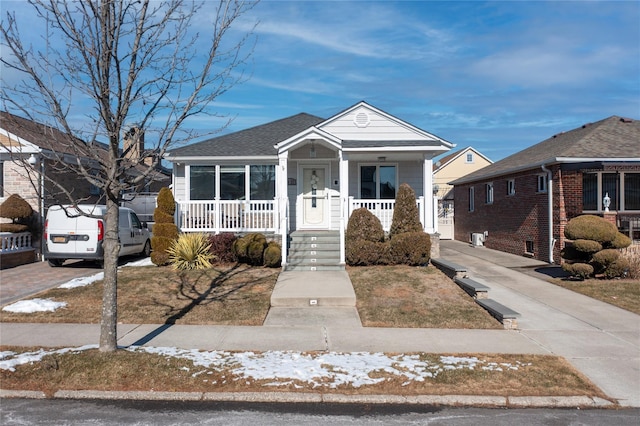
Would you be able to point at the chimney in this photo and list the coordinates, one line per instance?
(133, 143)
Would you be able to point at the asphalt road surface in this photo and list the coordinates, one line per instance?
(71, 412)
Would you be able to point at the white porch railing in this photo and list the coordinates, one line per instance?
(227, 216)
(15, 242)
(382, 209)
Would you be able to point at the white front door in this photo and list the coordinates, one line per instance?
(314, 203)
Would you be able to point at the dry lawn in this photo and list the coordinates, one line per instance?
(127, 371)
(226, 295)
(624, 294)
(405, 296)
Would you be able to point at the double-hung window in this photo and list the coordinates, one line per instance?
(378, 181)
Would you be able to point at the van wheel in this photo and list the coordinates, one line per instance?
(146, 251)
(55, 262)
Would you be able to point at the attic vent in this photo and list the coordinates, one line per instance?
(626, 120)
(361, 119)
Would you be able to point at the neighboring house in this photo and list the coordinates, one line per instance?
(522, 203)
(305, 173)
(43, 147)
(446, 169)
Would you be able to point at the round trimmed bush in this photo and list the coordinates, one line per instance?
(272, 255)
(590, 227)
(580, 270)
(364, 225)
(620, 241)
(255, 252)
(587, 246)
(15, 208)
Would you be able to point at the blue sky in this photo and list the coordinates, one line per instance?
(498, 76)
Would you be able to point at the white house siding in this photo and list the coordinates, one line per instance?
(292, 193)
(364, 124)
(411, 172)
(179, 182)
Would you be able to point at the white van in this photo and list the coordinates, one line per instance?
(69, 234)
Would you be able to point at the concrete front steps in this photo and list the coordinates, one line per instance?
(314, 251)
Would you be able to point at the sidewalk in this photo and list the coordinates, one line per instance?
(600, 340)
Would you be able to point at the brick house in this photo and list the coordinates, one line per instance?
(30, 155)
(522, 203)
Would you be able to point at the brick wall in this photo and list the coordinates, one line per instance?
(511, 220)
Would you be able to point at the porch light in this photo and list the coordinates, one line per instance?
(606, 202)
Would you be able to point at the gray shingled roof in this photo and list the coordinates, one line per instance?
(255, 141)
(612, 138)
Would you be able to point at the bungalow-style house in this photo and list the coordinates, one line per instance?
(30, 153)
(305, 173)
(522, 203)
(446, 169)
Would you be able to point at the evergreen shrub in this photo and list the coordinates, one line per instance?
(590, 227)
(19, 211)
(364, 225)
(595, 249)
(165, 231)
(272, 255)
(410, 248)
(406, 216)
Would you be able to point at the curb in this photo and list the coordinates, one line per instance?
(331, 398)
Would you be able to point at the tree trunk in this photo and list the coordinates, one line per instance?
(111, 244)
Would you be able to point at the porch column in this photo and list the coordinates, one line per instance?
(282, 174)
(344, 200)
(428, 220)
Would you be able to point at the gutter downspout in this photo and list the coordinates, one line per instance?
(552, 242)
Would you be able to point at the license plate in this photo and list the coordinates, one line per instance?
(59, 240)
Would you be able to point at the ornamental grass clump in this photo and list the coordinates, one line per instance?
(190, 252)
(595, 249)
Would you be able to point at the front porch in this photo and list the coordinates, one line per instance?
(240, 216)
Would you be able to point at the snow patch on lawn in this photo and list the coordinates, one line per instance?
(34, 305)
(282, 368)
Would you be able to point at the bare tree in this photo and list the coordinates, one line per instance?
(126, 64)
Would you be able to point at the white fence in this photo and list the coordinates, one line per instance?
(15, 242)
(227, 216)
(382, 209)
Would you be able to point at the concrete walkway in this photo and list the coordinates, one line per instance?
(602, 341)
